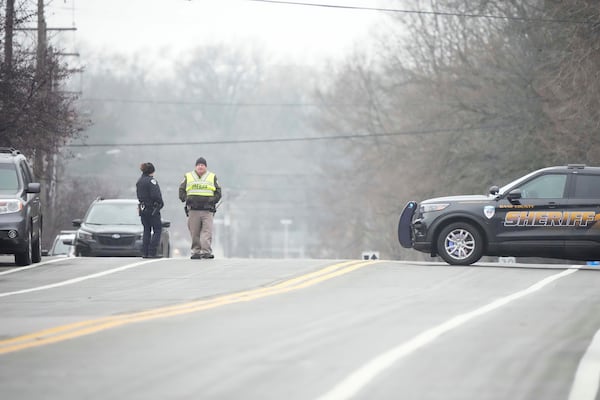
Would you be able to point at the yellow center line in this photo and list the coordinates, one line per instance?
(163, 310)
(77, 329)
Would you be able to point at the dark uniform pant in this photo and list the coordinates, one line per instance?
(152, 230)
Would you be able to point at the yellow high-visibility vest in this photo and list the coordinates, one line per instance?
(200, 186)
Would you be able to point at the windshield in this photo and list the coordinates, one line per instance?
(516, 182)
(9, 182)
(113, 214)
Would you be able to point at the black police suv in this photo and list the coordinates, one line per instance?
(20, 209)
(112, 227)
(552, 213)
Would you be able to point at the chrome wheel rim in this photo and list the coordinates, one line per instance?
(459, 244)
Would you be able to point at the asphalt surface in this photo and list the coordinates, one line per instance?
(126, 328)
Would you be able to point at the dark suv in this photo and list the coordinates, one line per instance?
(112, 227)
(20, 209)
(552, 213)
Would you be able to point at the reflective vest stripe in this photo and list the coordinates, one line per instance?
(200, 186)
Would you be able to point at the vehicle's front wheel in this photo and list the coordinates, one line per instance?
(24, 258)
(460, 243)
(36, 248)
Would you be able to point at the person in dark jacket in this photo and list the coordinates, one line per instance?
(150, 198)
(201, 192)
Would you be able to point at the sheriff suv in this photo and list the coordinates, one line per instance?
(20, 209)
(552, 212)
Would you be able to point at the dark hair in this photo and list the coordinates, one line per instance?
(147, 168)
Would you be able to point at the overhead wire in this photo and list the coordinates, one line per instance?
(199, 102)
(246, 104)
(434, 13)
(294, 139)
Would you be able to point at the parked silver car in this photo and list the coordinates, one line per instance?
(59, 247)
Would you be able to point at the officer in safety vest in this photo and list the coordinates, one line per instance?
(201, 192)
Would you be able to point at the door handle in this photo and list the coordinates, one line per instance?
(552, 204)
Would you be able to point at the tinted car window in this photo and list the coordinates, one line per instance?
(545, 187)
(586, 187)
(113, 214)
(9, 182)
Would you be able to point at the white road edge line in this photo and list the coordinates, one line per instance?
(81, 278)
(585, 385)
(361, 377)
(11, 271)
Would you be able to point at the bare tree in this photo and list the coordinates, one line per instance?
(487, 90)
(35, 115)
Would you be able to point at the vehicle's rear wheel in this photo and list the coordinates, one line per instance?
(24, 258)
(36, 248)
(460, 243)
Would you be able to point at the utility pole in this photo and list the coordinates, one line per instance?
(46, 70)
(42, 76)
(44, 79)
(42, 40)
(8, 35)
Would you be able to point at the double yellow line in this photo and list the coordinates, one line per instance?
(77, 329)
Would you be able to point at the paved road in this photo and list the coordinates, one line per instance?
(113, 328)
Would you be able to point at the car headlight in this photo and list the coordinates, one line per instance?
(84, 235)
(10, 206)
(433, 207)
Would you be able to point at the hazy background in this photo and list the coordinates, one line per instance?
(217, 78)
(331, 118)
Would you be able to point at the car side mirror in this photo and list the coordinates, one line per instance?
(77, 222)
(514, 195)
(34, 187)
(494, 190)
(166, 224)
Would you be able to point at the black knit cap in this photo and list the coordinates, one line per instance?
(201, 160)
(147, 168)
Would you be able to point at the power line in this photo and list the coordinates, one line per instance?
(200, 103)
(245, 104)
(296, 139)
(436, 13)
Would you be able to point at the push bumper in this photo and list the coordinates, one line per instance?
(405, 234)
